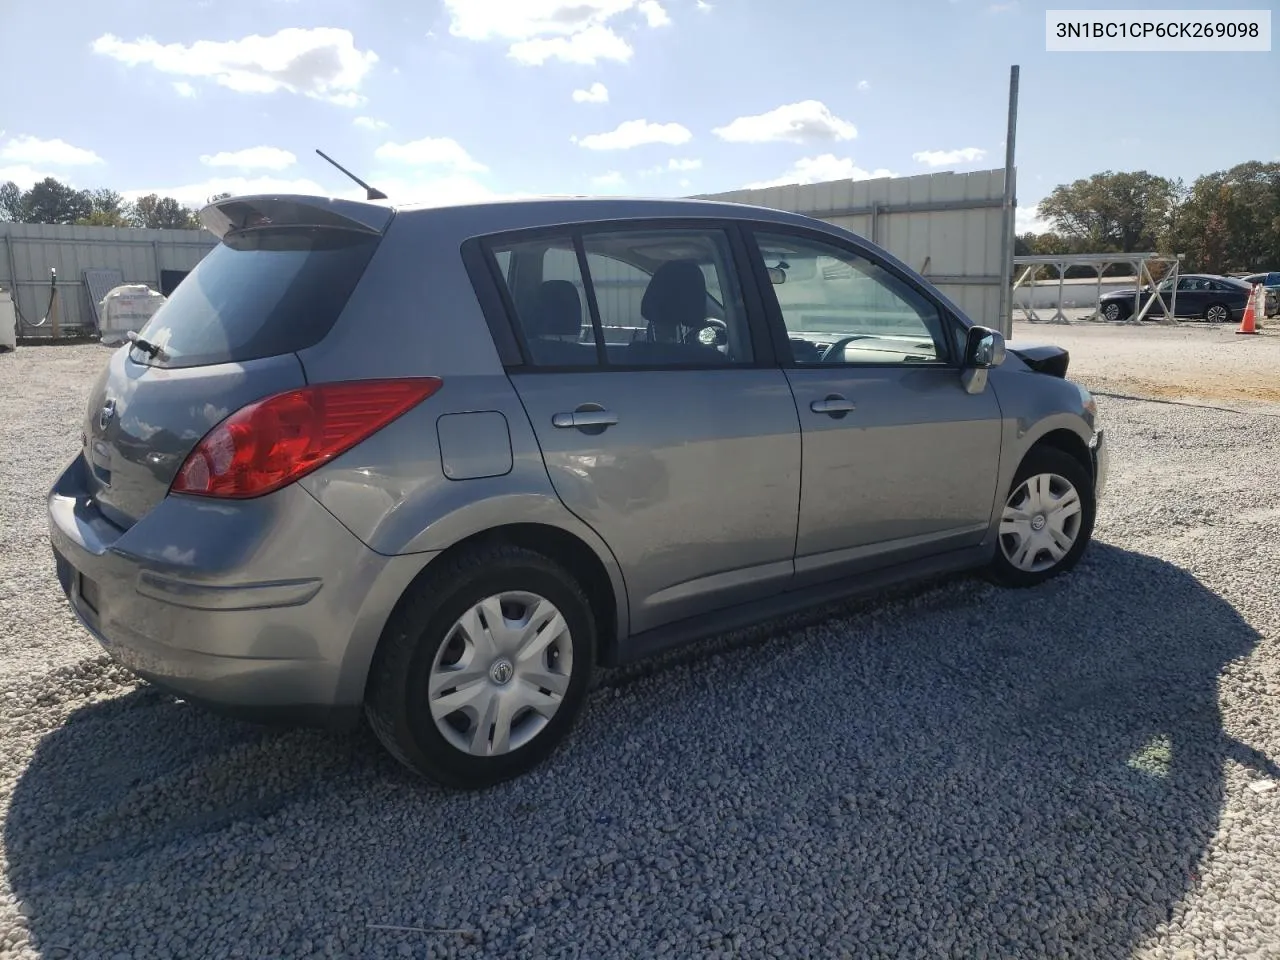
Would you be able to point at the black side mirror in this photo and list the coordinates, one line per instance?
(983, 348)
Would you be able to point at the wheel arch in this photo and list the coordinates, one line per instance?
(1066, 440)
(599, 576)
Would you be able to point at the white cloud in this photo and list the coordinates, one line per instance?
(611, 179)
(197, 194)
(369, 123)
(1026, 219)
(587, 48)
(26, 177)
(654, 13)
(54, 153)
(184, 89)
(348, 99)
(635, 133)
(941, 158)
(684, 164)
(864, 85)
(322, 62)
(821, 169)
(436, 151)
(574, 31)
(808, 121)
(704, 6)
(414, 188)
(401, 189)
(252, 158)
(596, 93)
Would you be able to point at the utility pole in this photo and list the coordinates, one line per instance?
(1010, 210)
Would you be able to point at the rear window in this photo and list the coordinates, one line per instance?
(261, 293)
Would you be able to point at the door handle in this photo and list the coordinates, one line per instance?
(833, 405)
(584, 418)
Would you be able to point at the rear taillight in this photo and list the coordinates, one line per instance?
(277, 440)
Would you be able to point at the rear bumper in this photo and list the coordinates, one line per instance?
(267, 608)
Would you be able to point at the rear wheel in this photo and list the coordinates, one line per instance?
(1217, 313)
(1046, 521)
(483, 668)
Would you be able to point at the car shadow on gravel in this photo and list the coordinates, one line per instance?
(963, 772)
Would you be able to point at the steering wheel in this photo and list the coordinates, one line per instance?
(830, 354)
(712, 339)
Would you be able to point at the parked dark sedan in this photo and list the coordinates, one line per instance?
(1199, 296)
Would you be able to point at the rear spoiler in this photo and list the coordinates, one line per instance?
(281, 210)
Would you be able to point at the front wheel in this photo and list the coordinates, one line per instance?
(1046, 521)
(483, 668)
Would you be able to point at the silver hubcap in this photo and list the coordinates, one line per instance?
(501, 674)
(1217, 314)
(1040, 523)
(1112, 312)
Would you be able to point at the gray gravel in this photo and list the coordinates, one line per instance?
(1076, 771)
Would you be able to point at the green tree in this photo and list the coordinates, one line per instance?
(110, 209)
(51, 201)
(160, 213)
(1112, 212)
(1230, 220)
(10, 201)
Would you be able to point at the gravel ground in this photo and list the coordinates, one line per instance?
(1087, 769)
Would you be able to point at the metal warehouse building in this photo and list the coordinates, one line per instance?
(89, 257)
(947, 226)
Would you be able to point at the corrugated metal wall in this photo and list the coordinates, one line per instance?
(947, 226)
(28, 250)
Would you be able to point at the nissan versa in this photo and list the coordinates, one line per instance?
(432, 466)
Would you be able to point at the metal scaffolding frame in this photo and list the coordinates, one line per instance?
(1138, 262)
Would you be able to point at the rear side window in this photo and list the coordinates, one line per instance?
(258, 294)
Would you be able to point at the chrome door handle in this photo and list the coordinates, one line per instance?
(584, 418)
(832, 405)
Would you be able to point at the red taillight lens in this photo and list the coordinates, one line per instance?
(275, 441)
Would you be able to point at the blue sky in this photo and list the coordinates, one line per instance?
(457, 99)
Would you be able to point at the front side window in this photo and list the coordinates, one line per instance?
(839, 307)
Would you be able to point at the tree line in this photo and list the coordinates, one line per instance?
(51, 201)
(1224, 222)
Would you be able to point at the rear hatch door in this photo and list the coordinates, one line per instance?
(228, 335)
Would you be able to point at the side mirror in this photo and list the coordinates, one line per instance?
(983, 348)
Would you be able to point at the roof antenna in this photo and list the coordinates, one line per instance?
(372, 193)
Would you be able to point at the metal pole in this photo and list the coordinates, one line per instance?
(1006, 246)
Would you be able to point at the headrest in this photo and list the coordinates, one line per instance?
(556, 311)
(676, 296)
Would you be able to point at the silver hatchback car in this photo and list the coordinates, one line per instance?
(433, 465)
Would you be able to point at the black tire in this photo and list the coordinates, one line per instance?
(396, 702)
(1047, 460)
(1217, 305)
(1114, 311)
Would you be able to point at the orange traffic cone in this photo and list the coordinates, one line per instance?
(1248, 324)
